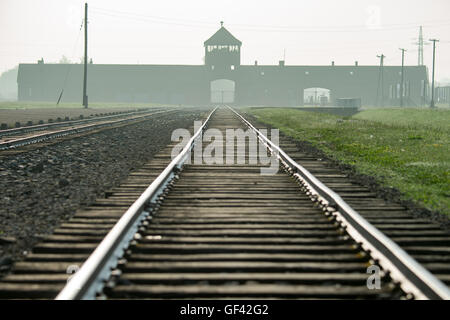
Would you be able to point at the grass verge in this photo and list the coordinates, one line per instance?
(407, 149)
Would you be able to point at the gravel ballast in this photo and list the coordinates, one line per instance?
(44, 187)
(11, 116)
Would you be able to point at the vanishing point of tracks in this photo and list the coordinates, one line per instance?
(226, 231)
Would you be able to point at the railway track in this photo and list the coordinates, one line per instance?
(226, 231)
(18, 137)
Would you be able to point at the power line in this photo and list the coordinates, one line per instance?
(410, 24)
(145, 18)
(263, 28)
(166, 19)
(69, 67)
(133, 14)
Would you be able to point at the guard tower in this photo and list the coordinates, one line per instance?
(222, 51)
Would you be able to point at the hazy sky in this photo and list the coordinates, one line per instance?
(172, 31)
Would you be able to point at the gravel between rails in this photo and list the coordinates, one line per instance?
(42, 188)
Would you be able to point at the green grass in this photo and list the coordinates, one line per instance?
(415, 117)
(407, 149)
(94, 105)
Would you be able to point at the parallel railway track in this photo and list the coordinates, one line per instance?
(14, 138)
(226, 231)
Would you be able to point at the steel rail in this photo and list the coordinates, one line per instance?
(90, 278)
(60, 133)
(412, 277)
(38, 127)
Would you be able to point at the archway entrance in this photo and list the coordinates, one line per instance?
(222, 91)
(316, 96)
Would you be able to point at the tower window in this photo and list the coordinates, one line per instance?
(212, 67)
(232, 67)
(211, 48)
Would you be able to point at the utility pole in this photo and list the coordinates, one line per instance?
(403, 78)
(432, 82)
(381, 80)
(315, 96)
(85, 97)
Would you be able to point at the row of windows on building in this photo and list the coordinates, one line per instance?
(442, 94)
(229, 48)
(233, 67)
(395, 90)
(423, 89)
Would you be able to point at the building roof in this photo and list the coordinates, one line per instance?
(222, 37)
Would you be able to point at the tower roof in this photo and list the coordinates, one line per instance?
(222, 37)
